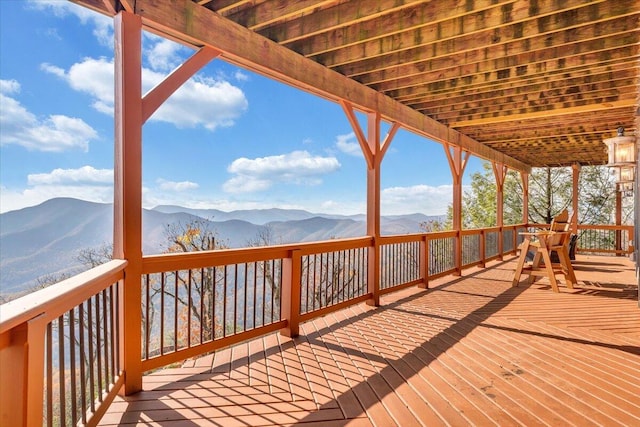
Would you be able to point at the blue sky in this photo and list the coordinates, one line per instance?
(228, 139)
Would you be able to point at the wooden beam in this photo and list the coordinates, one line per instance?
(503, 65)
(156, 96)
(494, 28)
(524, 177)
(466, 85)
(197, 25)
(264, 14)
(331, 34)
(575, 197)
(357, 130)
(373, 208)
(589, 108)
(457, 164)
(127, 199)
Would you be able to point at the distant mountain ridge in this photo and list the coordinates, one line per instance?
(254, 216)
(46, 239)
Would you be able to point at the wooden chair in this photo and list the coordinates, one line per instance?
(556, 239)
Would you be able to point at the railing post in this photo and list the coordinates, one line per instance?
(457, 256)
(483, 248)
(373, 273)
(424, 262)
(22, 373)
(290, 298)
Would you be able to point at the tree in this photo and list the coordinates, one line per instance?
(550, 192)
(271, 272)
(195, 290)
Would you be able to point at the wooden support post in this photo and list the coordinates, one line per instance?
(424, 262)
(525, 197)
(290, 297)
(127, 225)
(575, 198)
(373, 207)
(483, 248)
(619, 222)
(373, 152)
(500, 173)
(131, 111)
(457, 164)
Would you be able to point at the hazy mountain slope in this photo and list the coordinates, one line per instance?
(254, 216)
(47, 238)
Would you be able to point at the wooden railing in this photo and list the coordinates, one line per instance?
(601, 239)
(59, 350)
(61, 345)
(605, 239)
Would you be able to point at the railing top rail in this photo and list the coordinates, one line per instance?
(404, 238)
(61, 297)
(605, 227)
(188, 260)
(442, 234)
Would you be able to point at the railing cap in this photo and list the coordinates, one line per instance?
(60, 297)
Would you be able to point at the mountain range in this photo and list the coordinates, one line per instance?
(45, 240)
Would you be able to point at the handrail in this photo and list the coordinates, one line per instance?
(400, 261)
(57, 299)
(70, 330)
(189, 260)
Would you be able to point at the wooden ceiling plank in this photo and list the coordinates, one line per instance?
(464, 34)
(344, 15)
(494, 42)
(539, 114)
(601, 81)
(522, 104)
(196, 24)
(501, 64)
(265, 14)
(437, 91)
(367, 35)
(523, 65)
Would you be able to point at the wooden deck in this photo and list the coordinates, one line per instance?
(470, 351)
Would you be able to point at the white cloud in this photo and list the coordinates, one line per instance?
(103, 25)
(176, 186)
(9, 87)
(201, 101)
(348, 144)
(86, 183)
(298, 167)
(418, 198)
(55, 133)
(162, 54)
(240, 76)
(83, 175)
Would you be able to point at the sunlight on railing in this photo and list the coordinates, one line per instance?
(185, 308)
(329, 278)
(471, 249)
(597, 239)
(441, 254)
(70, 347)
(400, 263)
(193, 303)
(81, 358)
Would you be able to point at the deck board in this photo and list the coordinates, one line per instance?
(471, 350)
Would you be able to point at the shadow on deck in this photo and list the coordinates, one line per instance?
(468, 351)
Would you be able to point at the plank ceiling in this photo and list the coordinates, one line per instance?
(541, 81)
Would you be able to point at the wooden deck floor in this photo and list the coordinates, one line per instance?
(470, 351)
